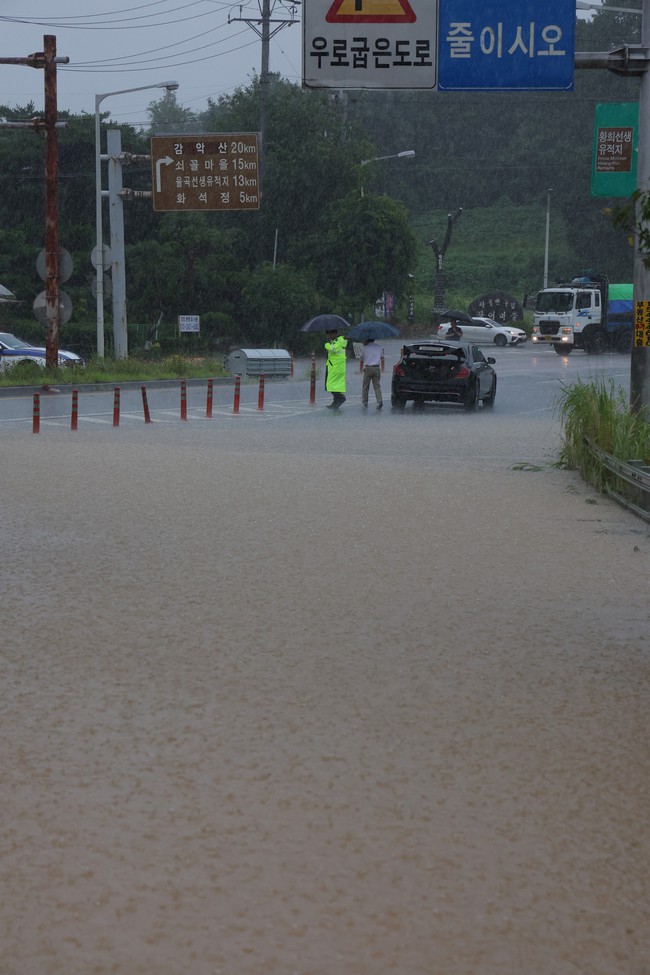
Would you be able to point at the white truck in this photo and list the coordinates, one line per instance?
(587, 313)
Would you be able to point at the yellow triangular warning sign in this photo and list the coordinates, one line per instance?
(370, 12)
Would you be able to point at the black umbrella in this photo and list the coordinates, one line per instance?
(326, 323)
(373, 330)
(456, 314)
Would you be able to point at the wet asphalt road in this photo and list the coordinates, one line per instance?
(296, 693)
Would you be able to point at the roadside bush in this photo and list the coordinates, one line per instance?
(599, 411)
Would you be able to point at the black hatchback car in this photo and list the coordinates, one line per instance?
(443, 372)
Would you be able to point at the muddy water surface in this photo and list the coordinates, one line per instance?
(299, 712)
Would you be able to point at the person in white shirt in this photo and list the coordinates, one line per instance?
(371, 372)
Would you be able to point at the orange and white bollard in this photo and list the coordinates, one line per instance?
(235, 405)
(260, 395)
(208, 402)
(145, 405)
(116, 406)
(183, 399)
(36, 415)
(74, 415)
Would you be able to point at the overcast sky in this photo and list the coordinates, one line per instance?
(140, 42)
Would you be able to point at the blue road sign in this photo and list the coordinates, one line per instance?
(519, 45)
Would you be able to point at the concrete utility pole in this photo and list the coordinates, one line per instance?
(265, 26)
(640, 356)
(634, 59)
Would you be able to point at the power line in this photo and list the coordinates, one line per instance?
(140, 58)
(79, 23)
(169, 64)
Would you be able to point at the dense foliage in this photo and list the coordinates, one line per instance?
(331, 234)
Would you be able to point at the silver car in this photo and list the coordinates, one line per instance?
(485, 331)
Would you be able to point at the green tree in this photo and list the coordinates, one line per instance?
(369, 249)
(275, 302)
(166, 114)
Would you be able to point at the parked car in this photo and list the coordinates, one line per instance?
(445, 372)
(13, 351)
(486, 331)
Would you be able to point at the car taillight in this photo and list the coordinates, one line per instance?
(463, 372)
(397, 370)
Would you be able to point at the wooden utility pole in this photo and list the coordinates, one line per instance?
(51, 207)
(47, 60)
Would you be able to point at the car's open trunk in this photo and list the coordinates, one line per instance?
(433, 362)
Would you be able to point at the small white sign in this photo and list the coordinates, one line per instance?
(189, 323)
(370, 43)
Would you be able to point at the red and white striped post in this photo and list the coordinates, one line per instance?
(383, 363)
(235, 405)
(312, 381)
(74, 416)
(116, 406)
(36, 415)
(183, 399)
(260, 395)
(145, 405)
(208, 402)
(291, 363)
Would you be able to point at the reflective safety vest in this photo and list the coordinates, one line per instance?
(336, 363)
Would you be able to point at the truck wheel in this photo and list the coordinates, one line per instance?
(563, 349)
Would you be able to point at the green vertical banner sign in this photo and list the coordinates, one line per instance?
(616, 134)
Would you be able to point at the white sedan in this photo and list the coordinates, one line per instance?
(13, 351)
(485, 331)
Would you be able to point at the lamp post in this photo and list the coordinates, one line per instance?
(404, 154)
(170, 86)
(548, 224)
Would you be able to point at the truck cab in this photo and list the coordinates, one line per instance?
(571, 316)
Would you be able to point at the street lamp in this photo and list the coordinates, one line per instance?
(548, 224)
(170, 86)
(404, 154)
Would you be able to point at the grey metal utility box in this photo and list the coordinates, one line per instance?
(255, 362)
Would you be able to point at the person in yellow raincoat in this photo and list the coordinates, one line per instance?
(335, 346)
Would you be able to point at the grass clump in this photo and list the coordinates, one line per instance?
(114, 371)
(599, 412)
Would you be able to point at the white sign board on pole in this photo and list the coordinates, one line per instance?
(189, 323)
(370, 43)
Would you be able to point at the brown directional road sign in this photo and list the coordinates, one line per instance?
(215, 171)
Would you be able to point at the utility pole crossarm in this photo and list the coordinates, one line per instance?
(629, 59)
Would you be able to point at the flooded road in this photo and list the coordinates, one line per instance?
(307, 694)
